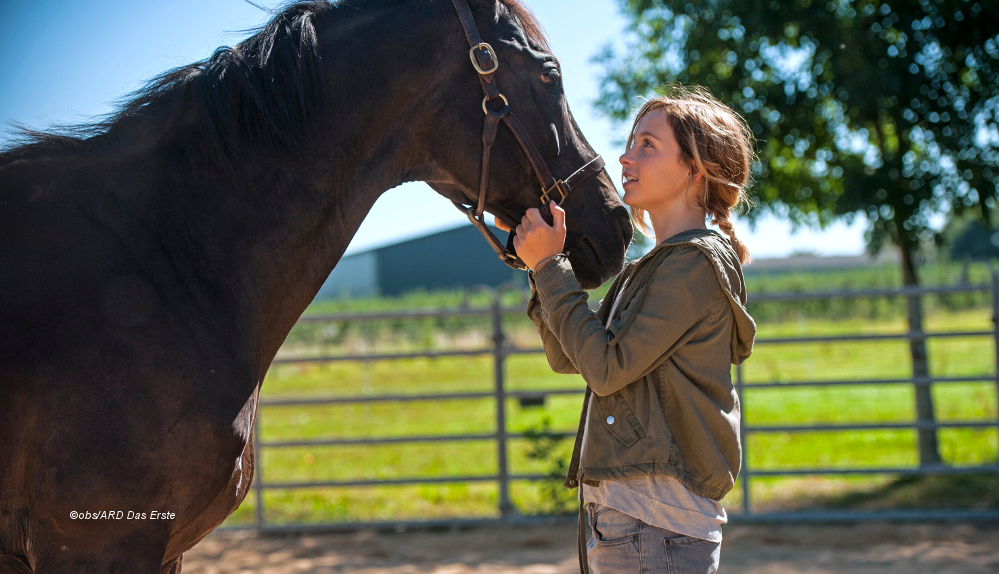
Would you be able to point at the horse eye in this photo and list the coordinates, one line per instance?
(551, 78)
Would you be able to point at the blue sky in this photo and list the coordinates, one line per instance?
(66, 62)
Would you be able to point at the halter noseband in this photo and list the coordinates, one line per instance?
(486, 63)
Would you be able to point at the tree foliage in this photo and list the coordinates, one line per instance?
(860, 107)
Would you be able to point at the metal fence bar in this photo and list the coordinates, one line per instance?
(413, 314)
(403, 525)
(400, 440)
(405, 481)
(850, 516)
(913, 381)
(401, 398)
(397, 315)
(375, 440)
(911, 336)
(515, 350)
(565, 434)
(863, 471)
(381, 482)
(872, 426)
(382, 357)
(505, 507)
(295, 401)
(771, 341)
(532, 477)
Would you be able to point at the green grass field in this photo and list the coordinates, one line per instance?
(950, 357)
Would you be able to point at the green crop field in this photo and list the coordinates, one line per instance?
(949, 357)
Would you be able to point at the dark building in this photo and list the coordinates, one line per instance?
(454, 258)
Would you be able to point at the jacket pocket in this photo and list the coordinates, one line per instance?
(618, 418)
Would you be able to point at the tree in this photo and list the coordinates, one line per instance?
(861, 108)
(974, 240)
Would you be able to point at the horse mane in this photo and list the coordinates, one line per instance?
(264, 89)
(529, 22)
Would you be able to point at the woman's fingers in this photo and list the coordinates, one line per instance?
(534, 216)
(526, 221)
(558, 216)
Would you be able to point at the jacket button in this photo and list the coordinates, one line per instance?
(610, 420)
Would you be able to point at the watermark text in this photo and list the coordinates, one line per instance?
(122, 515)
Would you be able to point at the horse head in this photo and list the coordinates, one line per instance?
(526, 83)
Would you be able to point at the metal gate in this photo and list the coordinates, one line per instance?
(501, 348)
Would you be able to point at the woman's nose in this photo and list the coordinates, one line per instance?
(625, 160)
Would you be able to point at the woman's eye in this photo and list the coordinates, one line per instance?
(551, 78)
(647, 143)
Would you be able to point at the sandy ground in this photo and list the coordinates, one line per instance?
(550, 549)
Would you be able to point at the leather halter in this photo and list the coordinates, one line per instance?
(486, 63)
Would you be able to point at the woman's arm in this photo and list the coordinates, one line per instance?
(660, 317)
(557, 359)
(544, 242)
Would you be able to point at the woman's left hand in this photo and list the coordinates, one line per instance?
(535, 239)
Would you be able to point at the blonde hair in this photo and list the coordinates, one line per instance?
(715, 141)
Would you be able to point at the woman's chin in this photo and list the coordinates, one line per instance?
(632, 200)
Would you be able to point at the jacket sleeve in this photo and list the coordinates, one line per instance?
(662, 314)
(557, 359)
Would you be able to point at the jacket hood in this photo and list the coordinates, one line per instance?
(718, 249)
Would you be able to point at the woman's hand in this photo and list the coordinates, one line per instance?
(535, 239)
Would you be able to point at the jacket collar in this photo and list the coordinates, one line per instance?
(693, 236)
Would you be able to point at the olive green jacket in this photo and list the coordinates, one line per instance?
(661, 372)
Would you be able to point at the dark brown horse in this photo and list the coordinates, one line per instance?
(152, 264)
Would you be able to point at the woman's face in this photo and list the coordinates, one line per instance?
(654, 176)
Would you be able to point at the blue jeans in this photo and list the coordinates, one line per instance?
(622, 544)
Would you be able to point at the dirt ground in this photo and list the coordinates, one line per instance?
(550, 549)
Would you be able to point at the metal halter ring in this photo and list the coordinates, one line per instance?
(545, 198)
(492, 54)
(506, 105)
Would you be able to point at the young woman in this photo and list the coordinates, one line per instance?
(658, 442)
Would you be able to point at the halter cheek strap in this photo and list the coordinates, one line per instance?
(485, 62)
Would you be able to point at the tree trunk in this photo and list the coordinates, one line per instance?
(929, 453)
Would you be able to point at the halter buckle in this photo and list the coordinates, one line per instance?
(492, 55)
(558, 185)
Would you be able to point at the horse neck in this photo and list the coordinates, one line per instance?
(270, 230)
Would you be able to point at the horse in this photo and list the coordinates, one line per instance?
(154, 261)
